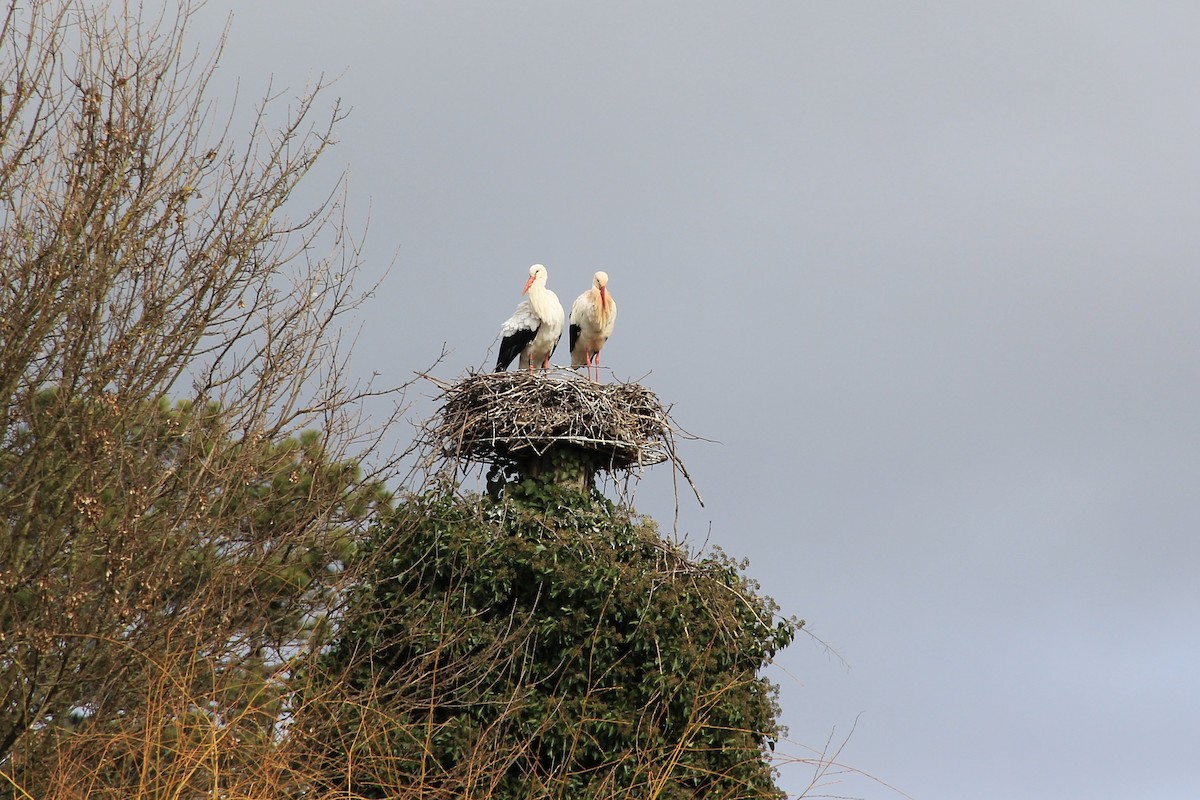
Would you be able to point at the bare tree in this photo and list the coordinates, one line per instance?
(167, 331)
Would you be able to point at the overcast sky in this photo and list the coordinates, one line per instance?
(926, 271)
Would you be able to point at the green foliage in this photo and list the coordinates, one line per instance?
(558, 480)
(547, 646)
(561, 477)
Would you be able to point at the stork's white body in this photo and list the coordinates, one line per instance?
(593, 315)
(534, 328)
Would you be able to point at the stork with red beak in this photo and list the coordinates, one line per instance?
(592, 317)
(534, 328)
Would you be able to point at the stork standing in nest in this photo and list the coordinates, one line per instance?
(534, 328)
(593, 315)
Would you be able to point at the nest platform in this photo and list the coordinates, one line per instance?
(518, 416)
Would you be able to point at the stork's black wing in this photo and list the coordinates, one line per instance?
(512, 345)
(574, 336)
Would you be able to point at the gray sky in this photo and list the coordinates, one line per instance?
(926, 271)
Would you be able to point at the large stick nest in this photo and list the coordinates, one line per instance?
(518, 414)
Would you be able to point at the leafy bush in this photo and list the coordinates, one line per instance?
(546, 644)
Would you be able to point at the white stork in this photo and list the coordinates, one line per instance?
(534, 328)
(592, 317)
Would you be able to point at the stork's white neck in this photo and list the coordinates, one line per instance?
(541, 299)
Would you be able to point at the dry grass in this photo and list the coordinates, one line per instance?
(181, 749)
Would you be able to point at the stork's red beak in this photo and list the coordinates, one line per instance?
(603, 298)
(528, 283)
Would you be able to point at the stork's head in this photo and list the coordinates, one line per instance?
(536, 272)
(600, 281)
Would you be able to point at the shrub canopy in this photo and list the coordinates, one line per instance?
(548, 645)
